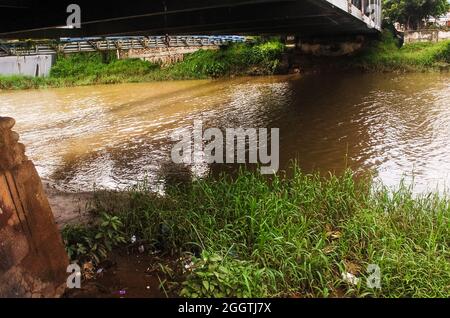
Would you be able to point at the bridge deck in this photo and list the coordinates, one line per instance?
(45, 18)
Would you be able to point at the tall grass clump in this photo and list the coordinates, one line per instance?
(294, 236)
(384, 55)
(98, 66)
(236, 59)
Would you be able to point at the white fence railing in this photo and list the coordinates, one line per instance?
(75, 45)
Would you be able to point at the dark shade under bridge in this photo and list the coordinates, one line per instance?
(46, 18)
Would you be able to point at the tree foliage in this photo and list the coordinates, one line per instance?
(412, 12)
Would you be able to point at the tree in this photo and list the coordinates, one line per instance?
(412, 12)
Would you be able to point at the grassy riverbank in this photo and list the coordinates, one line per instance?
(237, 59)
(384, 55)
(286, 237)
(93, 68)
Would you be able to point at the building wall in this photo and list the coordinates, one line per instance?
(32, 65)
(426, 36)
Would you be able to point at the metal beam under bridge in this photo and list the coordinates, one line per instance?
(48, 18)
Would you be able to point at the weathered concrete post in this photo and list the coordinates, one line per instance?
(33, 261)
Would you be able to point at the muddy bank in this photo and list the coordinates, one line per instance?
(67, 207)
(126, 275)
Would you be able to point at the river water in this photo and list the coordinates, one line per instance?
(394, 126)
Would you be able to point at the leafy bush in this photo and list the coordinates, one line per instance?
(85, 244)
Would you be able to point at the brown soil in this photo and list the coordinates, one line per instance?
(68, 208)
(126, 276)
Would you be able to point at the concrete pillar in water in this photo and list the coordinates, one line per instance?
(33, 260)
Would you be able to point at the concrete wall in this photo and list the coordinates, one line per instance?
(336, 46)
(163, 56)
(426, 36)
(33, 65)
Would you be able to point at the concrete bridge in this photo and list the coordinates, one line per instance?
(48, 18)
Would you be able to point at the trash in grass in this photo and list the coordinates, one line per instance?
(350, 278)
(189, 266)
(88, 270)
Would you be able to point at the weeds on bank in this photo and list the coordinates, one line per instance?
(254, 237)
(96, 68)
(92, 244)
(384, 55)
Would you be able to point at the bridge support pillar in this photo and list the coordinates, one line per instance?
(33, 260)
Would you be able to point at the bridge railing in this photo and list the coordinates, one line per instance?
(75, 45)
(370, 9)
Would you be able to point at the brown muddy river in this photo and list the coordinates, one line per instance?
(112, 136)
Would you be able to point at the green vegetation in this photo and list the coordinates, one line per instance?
(92, 244)
(293, 236)
(259, 58)
(411, 13)
(384, 55)
(95, 68)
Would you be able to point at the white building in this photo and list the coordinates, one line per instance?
(441, 21)
(32, 65)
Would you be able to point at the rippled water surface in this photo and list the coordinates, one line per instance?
(112, 136)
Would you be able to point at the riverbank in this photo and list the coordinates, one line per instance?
(384, 55)
(298, 236)
(381, 55)
(95, 68)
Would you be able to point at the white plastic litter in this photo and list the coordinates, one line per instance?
(350, 278)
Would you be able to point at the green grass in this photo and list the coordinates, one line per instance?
(295, 236)
(93, 68)
(384, 55)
